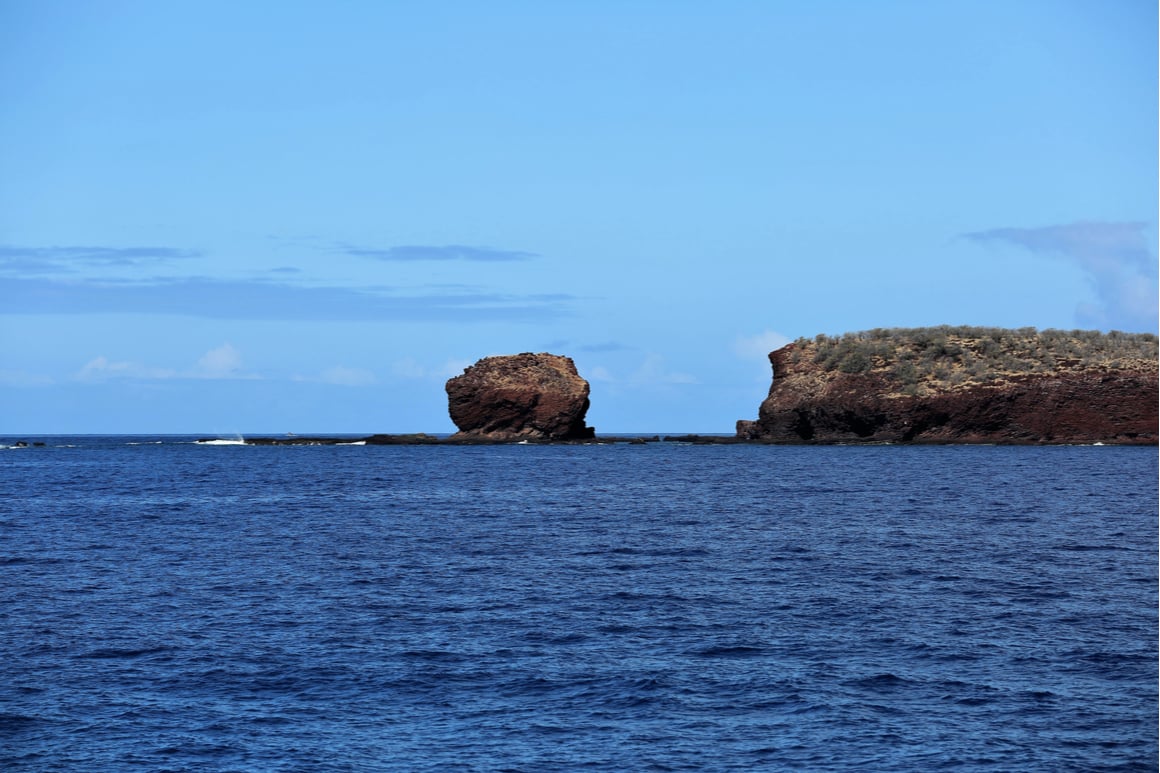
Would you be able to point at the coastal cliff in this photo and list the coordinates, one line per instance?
(962, 385)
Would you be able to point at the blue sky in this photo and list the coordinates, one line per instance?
(221, 217)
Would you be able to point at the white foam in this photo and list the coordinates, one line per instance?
(222, 442)
(353, 443)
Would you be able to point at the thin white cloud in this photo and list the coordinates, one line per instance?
(222, 362)
(417, 252)
(758, 347)
(453, 367)
(55, 260)
(410, 368)
(607, 346)
(269, 300)
(340, 375)
(652, 372)
(1115, 257)
(601, 373)
(102, 368)
(22, 378)
(343, 376)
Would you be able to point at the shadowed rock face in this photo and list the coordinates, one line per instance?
(974, 391)
(520, 396)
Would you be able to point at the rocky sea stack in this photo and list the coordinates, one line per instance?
(962, 385)
(520, 396)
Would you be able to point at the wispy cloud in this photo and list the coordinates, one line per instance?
(340, 375)
(102, 369)
(59, 260)
(601, 373)
(22, 378)
(608, 346)
(1116, 259)
(222, 362)
(653, 372)
(269, 300)
(410, 368)
(758, 347)
(415, 252)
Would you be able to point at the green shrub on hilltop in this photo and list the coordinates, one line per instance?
(920, 358)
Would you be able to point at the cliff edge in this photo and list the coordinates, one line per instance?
(962, 385)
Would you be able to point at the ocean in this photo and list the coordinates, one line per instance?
(173, 606)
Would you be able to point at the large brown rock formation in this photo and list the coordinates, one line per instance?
(520, 396)
(962, 385)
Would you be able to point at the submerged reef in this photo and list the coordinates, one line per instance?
(962, 385)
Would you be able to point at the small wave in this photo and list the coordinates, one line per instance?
(879, 681)
(1078, 548)
(975, 700)
(730, 651)
(146, 443)
(9, 560)
(12, 722)
(439, 656)
(354, 443)
(110, 653)
(221, 442)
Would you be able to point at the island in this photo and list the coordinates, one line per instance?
(962, 385)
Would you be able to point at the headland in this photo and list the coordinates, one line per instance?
(962, 385)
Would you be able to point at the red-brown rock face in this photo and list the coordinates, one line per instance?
(961, 389)
(533, 396)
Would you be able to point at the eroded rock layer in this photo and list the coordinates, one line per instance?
(532, 396)
(962, 385)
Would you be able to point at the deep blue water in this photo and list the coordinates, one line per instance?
(535, 608)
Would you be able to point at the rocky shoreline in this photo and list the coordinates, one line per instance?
(420, 439)
(423, 439)
(921, 386)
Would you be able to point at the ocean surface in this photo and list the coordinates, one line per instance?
(170, 606)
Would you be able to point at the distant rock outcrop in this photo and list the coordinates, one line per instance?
(962, 385)
(520, 396)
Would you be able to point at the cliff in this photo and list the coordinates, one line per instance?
(519, 396)
(962, 385)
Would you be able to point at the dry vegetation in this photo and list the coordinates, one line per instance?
(924, 359)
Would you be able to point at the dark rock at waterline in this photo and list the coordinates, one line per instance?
(520, 397)
(423, 439)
